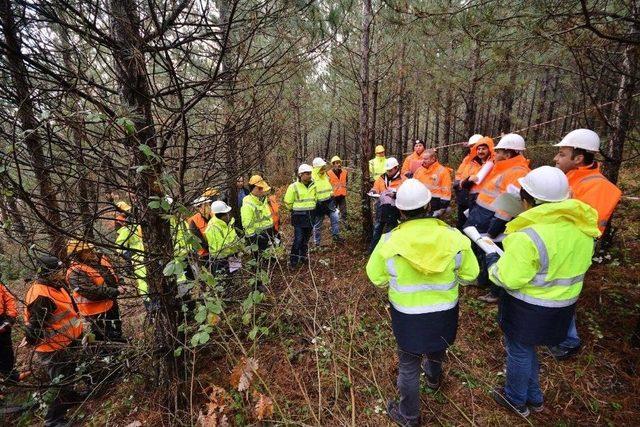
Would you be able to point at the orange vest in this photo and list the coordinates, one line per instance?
(437, 178)
(88, 307)
(64, 324)
(470, 167)
(463, 170)
(7, 303)
(591, 187)
(503, 174)
(411, 162)
(275, 211)
(339, 184)
(383, 183)
(198, 220)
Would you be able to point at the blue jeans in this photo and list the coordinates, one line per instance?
(522, 384)
(409, 368)
(572, 340)
(300, 245)
(334, 217)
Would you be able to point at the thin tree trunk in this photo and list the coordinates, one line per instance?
(436, 139)
(533, 101)
(446, 137)
(426, 126)
(542, 101)
(374, 114)
(365, 146)
(507, 100)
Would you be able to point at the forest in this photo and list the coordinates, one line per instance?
(138, 109)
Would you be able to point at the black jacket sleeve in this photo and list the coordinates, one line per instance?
(81, 283)
(39, 313)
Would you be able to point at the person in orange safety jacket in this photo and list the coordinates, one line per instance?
(414, 160)
(437, 179)
(338, 178)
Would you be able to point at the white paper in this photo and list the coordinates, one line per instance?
(374, 195)
(484, 171)
(484, 243)
(466, 213)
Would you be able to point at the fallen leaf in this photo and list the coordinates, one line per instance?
(263, 407)
(242, 374)
(215, 414)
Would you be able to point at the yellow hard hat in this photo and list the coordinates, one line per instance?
(258, 181)
(123, 206)
(379, 149)
(336, 159)
(75, 246)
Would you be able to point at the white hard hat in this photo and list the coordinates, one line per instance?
(581, 138)
(511, 141)
(474, 138)
(318, 162)
(391, 163)
(546, 183)
(304, 168)
(219, 207)
(411, 195)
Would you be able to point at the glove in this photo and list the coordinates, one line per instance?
(438, 213)
(491, 259)
(496, 227)
(467, 184)
(456, 185)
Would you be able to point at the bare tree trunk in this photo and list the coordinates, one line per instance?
(374, 115)
(552, 103)
(444, 154)
(507, 100)
(135, 93)
(29, 124)
(470, 98)
(416, 118)
(436, 139)
(542, 101)
(533, 101)
(365, 146)
(426, 126)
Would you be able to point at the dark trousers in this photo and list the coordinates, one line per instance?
(7, 358)
(107, 326)
(61, 364)
(462, 200)
(300, 246)
(379, 229)
(409, 368)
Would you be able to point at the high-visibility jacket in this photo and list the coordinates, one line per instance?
(377, 167)
(384, 183)
(300, 198)
(130, 239)
(63, 325)
(197, 225)
(7, 303)
(590, 186)
(471, 163)
(324, 190)
(437, 178)
(339, 183)
(503, 174)
(275, 211)
(422, 261)
(88, 307)
(222, 237)
(119, 220)
(464, 170)
(256, 215)
(412, 162)
(547, 252)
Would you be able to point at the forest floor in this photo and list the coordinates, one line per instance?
(326, 355)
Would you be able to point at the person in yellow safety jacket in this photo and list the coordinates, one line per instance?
(300, 199)
(338, 178)
(437, 178)
(576, 158)
(129, 239)
(325, 203)
(421, 261)
(547, 251)
(95, 287)
(222, 237)
(377, 164)
(54, 329)
(257, 218)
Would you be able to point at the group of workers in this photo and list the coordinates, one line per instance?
(536, 273)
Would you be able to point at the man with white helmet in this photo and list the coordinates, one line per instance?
(325, 204)
(547, 252)
(576, 158)
(510, 165)
(421, 261)
(384, 188)
(300, 198)
(222, 237)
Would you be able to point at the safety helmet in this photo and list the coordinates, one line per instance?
(318, 162)
(546, 183)
(219, 207)
(123, 206)
(75, 246)
(258, 181)
(511, 141)
(411, 195)
(474, 138)
(581, 138)
(379, 149)
(46, 263)
(391, 163)
(303, 168)
(336, 159)
(206, 196)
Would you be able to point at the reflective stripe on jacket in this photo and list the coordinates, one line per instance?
(503, 174)
(86, 306)
(591, 187)
(130, 239)
(63, 325)
(547, 252)
(339, 184)
(256, 215)
(437, 178)
(422, 261)
(222, 237)
(377, 166)
(323, 186)
(300, 198)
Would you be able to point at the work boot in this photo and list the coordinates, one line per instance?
(561, 352)
(536, 407)
(432, 382)
(489, 298)
(501, 399)
(393, 412)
